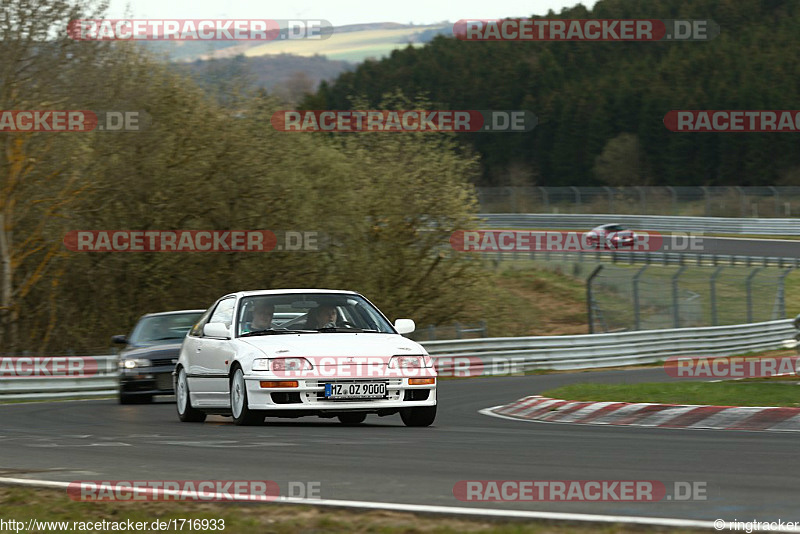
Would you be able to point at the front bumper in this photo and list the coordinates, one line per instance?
(309, 395)
(147, 381)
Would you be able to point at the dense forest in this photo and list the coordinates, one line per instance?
(601, 105)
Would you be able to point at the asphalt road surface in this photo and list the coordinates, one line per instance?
(746, 475)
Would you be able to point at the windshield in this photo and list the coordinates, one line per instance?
(160, 329)
(308, 313)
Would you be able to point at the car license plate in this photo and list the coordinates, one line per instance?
(356, 390)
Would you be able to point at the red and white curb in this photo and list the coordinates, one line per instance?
(544, 409)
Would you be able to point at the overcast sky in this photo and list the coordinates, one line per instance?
(340, 12)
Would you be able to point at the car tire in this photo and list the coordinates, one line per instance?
(419, 416)
(186, 412)
(242, 414)
(352, 419)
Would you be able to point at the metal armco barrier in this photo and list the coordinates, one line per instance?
(642, 257)
(465, 357)
(657, 223)
(509, 355)
(103, 382)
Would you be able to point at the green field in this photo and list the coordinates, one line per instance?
(355, 46)
(735, 393)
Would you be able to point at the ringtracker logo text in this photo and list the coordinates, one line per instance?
(173, 490)
(527, 241)
(576, 490)
(403, 121)
(731, 367)
(190, 241)
(53, 120)
(733, 120)
(197, 29)
(585, 30)
(47, 366)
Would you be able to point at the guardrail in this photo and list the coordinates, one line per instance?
(500, 355)
(489, 355)
(643, 257)
(103, 382)
(657, 223)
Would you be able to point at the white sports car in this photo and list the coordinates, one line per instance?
(301, 352)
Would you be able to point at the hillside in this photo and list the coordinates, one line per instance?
(601, 105)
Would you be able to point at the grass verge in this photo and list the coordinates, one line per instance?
(733, 393)
(22, 504)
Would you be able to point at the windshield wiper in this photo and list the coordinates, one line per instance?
(327, 329)
(273, 331)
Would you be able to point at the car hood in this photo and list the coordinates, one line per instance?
(334, 344)
(166, 350)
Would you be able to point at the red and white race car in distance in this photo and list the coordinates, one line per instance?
(609, 237)
(331, 354)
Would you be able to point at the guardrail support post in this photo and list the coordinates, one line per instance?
(676, 316)
(545, 199)
(590, 297)
(781, 296)
(749, 288)
(777, 197)
(610, 193)
(713, 281)
(577, 196)
(674, 199)
(636, 314)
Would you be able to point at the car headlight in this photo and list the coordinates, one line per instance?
(282, 364)
(405, 361)
(134, 363)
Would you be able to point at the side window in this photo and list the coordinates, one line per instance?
(223, 312)
(197, 329)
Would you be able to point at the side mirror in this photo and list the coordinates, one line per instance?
(404, 326)
(216, 330)
(119, 340)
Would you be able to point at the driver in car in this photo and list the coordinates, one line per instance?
(322, 317)
(262, 317)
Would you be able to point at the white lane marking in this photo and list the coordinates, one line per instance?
(425, 508)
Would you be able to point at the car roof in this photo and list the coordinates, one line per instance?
(250, 293)
(175, 312)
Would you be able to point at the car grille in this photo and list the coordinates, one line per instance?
(392, 390)
(164, 381)
(164, 362)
